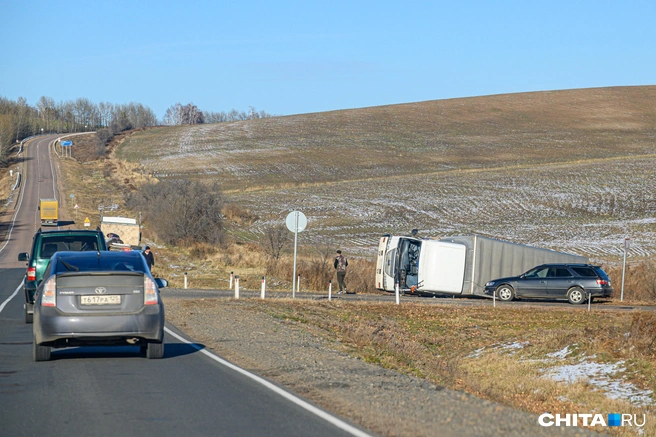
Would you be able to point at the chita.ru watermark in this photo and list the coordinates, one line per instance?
(636, 420)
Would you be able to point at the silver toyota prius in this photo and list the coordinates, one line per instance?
(98, 299)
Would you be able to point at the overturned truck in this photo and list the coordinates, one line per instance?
(122, 233)
(455, 265)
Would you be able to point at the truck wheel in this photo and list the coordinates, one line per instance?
(576, 295)
(505, 293)
(41, 353)
(155, 351)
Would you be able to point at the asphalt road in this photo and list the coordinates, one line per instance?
(103, 391)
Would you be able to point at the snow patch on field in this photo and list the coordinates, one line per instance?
(603, 377)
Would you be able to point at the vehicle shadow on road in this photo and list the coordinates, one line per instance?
(171, 350)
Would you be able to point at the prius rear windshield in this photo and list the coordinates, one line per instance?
(105, 262)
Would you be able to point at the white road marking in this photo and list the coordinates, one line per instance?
(290, 397)
(2, 307)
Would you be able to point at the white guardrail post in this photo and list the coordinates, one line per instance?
(330, 290)
(236, 286)
(263, 287)
(398, 299)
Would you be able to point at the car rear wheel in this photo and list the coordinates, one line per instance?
(576, 296)
(505, 293)
(155, 351)
(41, 353)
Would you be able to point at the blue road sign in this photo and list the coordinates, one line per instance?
(66, 143)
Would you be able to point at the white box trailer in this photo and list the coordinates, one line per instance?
(456, 265)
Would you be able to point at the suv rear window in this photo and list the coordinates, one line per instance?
(601, 273)
(585, 271)
(50, 245)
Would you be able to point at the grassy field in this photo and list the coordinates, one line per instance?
(567, 170)
(570, 170)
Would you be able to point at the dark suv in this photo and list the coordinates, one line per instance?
(44, 245)
(574, 282)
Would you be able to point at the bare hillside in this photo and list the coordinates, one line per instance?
(567, 170)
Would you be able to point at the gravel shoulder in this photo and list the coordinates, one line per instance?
(385, 402)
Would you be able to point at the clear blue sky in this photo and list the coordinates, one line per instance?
(291, 57)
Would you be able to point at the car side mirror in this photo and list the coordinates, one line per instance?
(23, 256)
(161, 283)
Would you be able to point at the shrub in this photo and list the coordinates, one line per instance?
(182, 211)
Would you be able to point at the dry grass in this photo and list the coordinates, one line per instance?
(498, 354)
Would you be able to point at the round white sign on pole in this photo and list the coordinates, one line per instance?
(296, 221)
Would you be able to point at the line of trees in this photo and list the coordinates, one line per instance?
(19, 120)
(179, 114)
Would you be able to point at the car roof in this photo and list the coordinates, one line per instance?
(102, 254)
(566, 264)
(69, 231)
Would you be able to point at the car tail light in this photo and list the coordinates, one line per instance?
(603, 282)
(49, 298)
(31, 274)
(150, 292)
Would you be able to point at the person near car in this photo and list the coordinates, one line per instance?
(340, 265)
(150, 258)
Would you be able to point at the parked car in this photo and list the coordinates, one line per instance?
(574, 282)
(44, 245)
(98, 298)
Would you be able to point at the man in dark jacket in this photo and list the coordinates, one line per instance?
(150, 258)
(340, 265)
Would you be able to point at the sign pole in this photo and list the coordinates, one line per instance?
(627, 242)
(295, 244)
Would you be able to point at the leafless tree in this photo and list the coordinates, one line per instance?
(187, 114)
(275, 238)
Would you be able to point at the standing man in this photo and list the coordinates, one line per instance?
(150, 258)
(340, 265)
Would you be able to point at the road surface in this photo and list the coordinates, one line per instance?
(103, 391)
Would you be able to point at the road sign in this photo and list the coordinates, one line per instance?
(87, 222)
(66, 143)
(296, 221)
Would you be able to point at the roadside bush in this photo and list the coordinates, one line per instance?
(639, 281)
(202, 250)
(237, 214)
(182, 211)
(643, 333)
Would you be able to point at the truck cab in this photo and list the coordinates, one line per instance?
(420, 264)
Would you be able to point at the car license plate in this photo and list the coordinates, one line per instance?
(100, 300)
